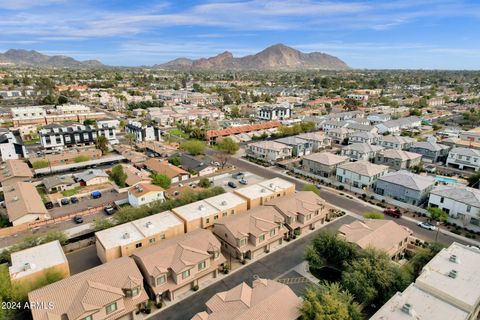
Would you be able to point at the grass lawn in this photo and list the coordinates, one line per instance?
(179, 133)
(43, 194)
(30, 142)
(71, 192)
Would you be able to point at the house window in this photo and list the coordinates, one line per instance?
(202, 265)
(273, 232)
(88, 318)
(261, 238)
(308, 217)
(242, 242)
(207, 220)
(441, 200)
(152, 240)
(138, 245)
(469, 208)
(111, 308)
(224, 214)
(162, 236)
(215, 254)
(185, 274)
(132, 292)
(215, 217)
(161, 280)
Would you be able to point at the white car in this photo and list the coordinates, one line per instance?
(427, 225)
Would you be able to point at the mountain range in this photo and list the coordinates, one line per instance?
(276, 57)
(19, 57)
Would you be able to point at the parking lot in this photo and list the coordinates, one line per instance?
(224, 179)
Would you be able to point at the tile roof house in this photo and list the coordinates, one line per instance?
(385, 235)
(300, 147)
(23, 203)
(405, 186)
(251, 234)
(323, 164)
(58, 183)
(176, 174)
(302, 211)
(175, 266)
(360, 174)
(269, 151)
(464, 158)
(14, 170)
(135, 176)
(124, 239)
(266, 299)
(396, 142)
(459, 201)
(212, 135)
(398, 159)
(340, 135)
(145, 193)
(110, 291)
(363, 137)
(318, 139)
(361, 151)
(434, 152)
(262, 192)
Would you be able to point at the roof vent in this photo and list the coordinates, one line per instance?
(453, 258)
(407, 308)
(263, 190)
(201, 207)
(126, 235)
(27, 266)
(149, 224)
(453, 274)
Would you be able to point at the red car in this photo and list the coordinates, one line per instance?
(392, 212)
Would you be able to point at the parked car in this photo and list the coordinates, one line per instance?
(49, 205)
(73, 199)
(78, 219)
(427, 225)
(96, 194)
(243, 181)
(232, 184)
(238, 175)
(65, 201)
(109, 210)
(392, 212)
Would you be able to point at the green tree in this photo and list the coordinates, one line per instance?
(62, 99)
(130, 137)
(474, 180)
(311, 187)
(374, 215)
(101, 143)
(90, 122)
(373, 278)
(329, 302)
(421, 257)
(119, 176)
(438, 214)
(235, 112)
(193, 147)
(229, 146)
(161, 180)
(102, 224)
(204, 183)
(329, 250)
(176, 161)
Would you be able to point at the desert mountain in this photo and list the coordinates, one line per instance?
(277, 57)
(34, 58)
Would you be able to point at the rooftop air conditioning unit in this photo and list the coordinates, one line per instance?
(201, 207)
(126, 235)
(149, 224)
(453, 274)
(407, 308)
(223, 203)
(453, 258)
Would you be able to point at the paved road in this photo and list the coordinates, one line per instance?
(271, 266)
(334, 198)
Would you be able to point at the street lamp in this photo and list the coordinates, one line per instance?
(438, 230)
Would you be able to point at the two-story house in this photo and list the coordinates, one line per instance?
(363, 137)
(323, 164)
(464, 158)
(269, 151)
(251, 234)
(405, 186)
(319, 140)
(340, 135)
(360, 174)
(398, 159)
(431, 151)
(176, 266)
(300, 147)
(361, 151)
(112, 290)
(396, 142)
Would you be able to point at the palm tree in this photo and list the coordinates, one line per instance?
(101, 143)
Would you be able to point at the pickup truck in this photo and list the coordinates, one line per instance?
(392, 212)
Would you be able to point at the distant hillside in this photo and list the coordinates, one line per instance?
(34, 58)
(277, 57)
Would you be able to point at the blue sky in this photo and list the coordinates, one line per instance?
(428, 34)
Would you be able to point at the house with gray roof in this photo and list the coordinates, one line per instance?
(430, 151)
(398, 159)
(340, 135)
(58, 183)
(363, 137)
(396, 142)
(361, 151)
(459, 201)
(323, 164)
(405, 186)
(360, 174)
(464, 158)
(300, 147)
(91, 177)
(318, 139)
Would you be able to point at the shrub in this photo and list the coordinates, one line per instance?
(374, 215)
(297, 232)
(341, 187)
(40, 164)
(195, 287)
(204, 183)
(159, 305)
(81, 158)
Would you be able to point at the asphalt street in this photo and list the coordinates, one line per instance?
(270, 266)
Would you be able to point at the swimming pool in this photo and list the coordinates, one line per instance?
(445, 179)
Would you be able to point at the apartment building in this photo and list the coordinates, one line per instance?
(25, 113)
(464, 159)
(57, 136)
(318, 140)
(260, 193)
(396, 142)
(398, 159)
(124, 239)
(323, 164)
(430, 151)
(175, 266)
(11, 147)
(251, 234)
(72, 109)
(302, 211)
(269, 151)
(145, 193)
(360, 174)
(33, 264)
(110, 291)
(68, 157)
(361, 151)
(459, 201)
(267, 299)
(300, 147)
(384, 235)
(143, 132)
(405, 186)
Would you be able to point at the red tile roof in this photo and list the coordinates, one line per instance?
(242, 129)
